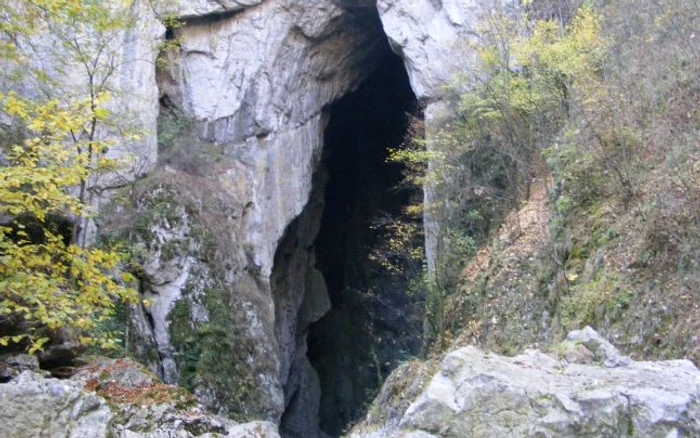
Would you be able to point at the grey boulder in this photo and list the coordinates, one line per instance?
(33, 406)
(476, 394)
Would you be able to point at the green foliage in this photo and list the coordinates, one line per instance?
(179, 144)
(587, 302)
(162, 204)
(458, 248)
(530, 76)
(601, 105)
(44, 278)
(172, 124)
(581, 174)
(216, 352)
(401, 248)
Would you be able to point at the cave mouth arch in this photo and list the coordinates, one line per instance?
(372, 324)
(342, 322)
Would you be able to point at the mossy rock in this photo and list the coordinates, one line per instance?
(215, 354)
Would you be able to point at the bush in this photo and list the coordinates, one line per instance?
(180, 147)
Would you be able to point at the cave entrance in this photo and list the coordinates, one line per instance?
(373, 324)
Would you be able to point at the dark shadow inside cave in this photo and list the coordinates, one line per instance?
(373, 324)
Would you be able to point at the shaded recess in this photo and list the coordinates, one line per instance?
(372, 324)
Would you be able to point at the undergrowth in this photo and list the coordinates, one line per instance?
(596, 180)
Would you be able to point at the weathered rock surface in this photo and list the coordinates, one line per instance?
(256, 77)
(111, 398)
(196, 8)
(258, 81)
(33, 406)
(476, 394)
(301, 298)
(208, 326)
(124, 59)
(433, 39)
(119, 62)
(431, 36)
(14, 364)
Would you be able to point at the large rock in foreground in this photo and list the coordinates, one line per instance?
(111, 398)
(590, 391)
(32, 406)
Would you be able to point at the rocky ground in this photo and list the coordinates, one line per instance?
(106, 398)
(587, 389)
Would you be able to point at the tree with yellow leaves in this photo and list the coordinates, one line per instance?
(50, 279)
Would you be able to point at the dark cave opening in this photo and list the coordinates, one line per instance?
(372, 324)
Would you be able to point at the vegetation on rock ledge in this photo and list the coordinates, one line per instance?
(570, 161)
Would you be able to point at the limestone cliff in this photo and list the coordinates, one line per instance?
(256, 78)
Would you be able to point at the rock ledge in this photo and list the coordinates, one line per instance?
(592, 390)
(111, 398)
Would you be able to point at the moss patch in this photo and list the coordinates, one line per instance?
(217, 353)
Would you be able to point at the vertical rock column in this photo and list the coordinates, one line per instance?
(432, 38)
(255, 78)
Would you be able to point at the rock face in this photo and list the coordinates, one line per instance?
(33, 406)
(122, 58)
(257, 82)
(209, 327)
(139, 407)
(431, 36)
(117, 62)
(475, 394)
(301, 298)
(254, 77)
(195, 8)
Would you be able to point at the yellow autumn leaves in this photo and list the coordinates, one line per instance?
(47, 280)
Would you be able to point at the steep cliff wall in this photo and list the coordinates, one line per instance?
(255, 80)
(433, 39)
(225, 236)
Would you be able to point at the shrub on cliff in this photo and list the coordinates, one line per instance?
(610, 96)
(531, 75)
